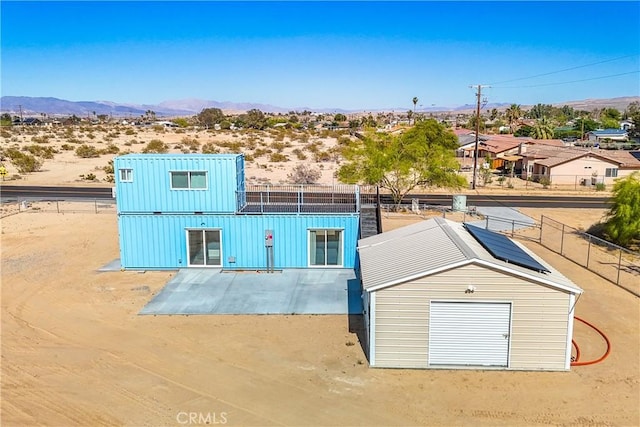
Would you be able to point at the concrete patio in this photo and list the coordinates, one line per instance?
(294, 291)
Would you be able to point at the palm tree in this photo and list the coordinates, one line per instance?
(415, 101)
(542, 129)
(513, 114)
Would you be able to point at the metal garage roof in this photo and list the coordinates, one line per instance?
(435, 245)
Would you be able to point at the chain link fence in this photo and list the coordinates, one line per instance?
(611, 262)
(96, 206)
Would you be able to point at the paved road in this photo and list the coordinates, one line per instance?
(15, 193)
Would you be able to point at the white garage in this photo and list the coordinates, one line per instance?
(440, 294)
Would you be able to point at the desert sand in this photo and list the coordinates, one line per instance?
(75, 352)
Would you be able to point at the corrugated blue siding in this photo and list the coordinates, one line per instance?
(160, 242)
(150, 190)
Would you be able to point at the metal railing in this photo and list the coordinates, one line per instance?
(302, 198)
(614, 263)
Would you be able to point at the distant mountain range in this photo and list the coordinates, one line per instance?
(35, 106)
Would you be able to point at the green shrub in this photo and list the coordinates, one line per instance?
(210, 148)
(111, 149)
(277, 157)
(25, 163)
(40, 151)
(88, 177)
(156, 146)
(545, 181)
(87, 151)
(600, 186)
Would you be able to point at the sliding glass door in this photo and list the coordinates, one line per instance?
(204, 249)
(325, 248)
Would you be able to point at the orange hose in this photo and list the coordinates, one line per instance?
(575, 344)
(591, 362)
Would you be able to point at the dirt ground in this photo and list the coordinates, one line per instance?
(75, 352)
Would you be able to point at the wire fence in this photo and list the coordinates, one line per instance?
(611, 262)
(96, 206)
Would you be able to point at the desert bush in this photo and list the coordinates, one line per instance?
(109, 168)
(42, 139)
(261, 152)
(545, 181)
(299, 154)
(87, 151)
(304, 174)
(322, 156)
(88, 177)
(66, 147)
(158, 128)
(91, 136)
(129, 132)
(156, 146)
(232, 146)
(110, 149)
(210, 148)
(5, 134)
(25, 163)
(278, 157)
(40, 151)
(192, 144)
(600, 186)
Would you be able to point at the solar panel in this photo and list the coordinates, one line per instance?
(636, 154)
(501, 247)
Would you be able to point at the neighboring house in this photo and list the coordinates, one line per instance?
(177, 211)
(502, 150)
(597, 136)
(626, 125)
(440, 294)
(576, 166)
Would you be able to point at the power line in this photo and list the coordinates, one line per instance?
(563, 70)
(568, 82)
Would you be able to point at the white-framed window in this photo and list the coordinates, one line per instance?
(611, 172)
(189, 180)
(126, 175)
(325, 248)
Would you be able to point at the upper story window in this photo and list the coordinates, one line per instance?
(611, 172)
(189, 180)
(126, 175)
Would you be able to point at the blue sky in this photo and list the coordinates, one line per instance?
(350, 55)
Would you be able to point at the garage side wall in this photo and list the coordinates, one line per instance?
(539, 319)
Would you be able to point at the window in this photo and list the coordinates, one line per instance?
(188, 180)
(325, 247)
(611, 172)
(126, 175)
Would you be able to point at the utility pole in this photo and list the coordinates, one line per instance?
(475, 151)
(21, 119)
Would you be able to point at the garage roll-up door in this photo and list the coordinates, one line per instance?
(469, 333)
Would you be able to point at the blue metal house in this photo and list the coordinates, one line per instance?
(193, 210)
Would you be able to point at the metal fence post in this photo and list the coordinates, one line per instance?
(619, 266)
(541, 226)
(588, 250)
(486, 223)
(58, 206)
(513, 227)
(562, 240)
(95, 204)
(261, 203)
